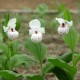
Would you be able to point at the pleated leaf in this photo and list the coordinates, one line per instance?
(71, 39)
(67, 15)
(4, 48)
(76, 59)
(35, 77)
(18, 23)
(9, 75)
(63, 65)
(17, 60)
(62, 74)
(36, 49)
(67, 57)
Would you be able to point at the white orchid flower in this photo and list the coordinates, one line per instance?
(35, 26)
(36, 30)
(64, 26)
(36, 37)
(11, 24)
(10, 29)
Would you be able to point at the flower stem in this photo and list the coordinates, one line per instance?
(9, 56)
(41, 68)
(41, 60)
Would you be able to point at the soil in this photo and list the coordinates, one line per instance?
(32, 4)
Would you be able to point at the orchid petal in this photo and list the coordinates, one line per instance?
(12, 23)
(42, 30)
(31, 31)
(34, 23)
(70, 23)
(60, 20)
(5, 28)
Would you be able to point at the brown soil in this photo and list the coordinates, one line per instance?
(26, 4)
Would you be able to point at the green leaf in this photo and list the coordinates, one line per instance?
(62, 74)
(7, 17)
(35, 77)
(4, 48)
(17, 60)
(76, 58)
(63, 65)
(3, 60)
(9, 75)
(1, 38)
(71, 39)
(36, 49)
(67, 57)
(43, 22)
(61, 8)
(42, 9)
(47, 68)
(18, 23)
(16, 46)
(67, 15)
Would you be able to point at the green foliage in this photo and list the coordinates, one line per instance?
(42, 9)
(17, 60)
(18, 23)
(63, 65)
(4, 48)
(71, 39)
(60, 63)
(76, 58)
(62, 74)
(47, 68)
(61, 8)
(9, 75)
(3, 63)
(67, 57)
(36, 49)
(43, 22)
(11, 56)
(14, 47)
(7, 17)
(35, 77)
(1, 38)
(67, 15)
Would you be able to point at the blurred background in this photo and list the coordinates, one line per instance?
(24, 4)
(46, 11)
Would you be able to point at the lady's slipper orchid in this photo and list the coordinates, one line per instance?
(10, 29)
(36, 30)
(64, 26)
(36, 37)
